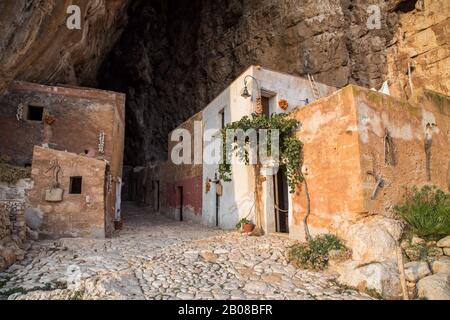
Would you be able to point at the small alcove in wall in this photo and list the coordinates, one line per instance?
(75, 185)
(35, 113)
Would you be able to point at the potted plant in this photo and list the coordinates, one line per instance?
(118, 224)
(246, 225)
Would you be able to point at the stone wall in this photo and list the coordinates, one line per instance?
(77, 215)
(409, 124)
(344, 138)
(354, 141)
(186, 52)
(13, 228)
(421, 40)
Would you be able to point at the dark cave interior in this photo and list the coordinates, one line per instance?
(175, 56)
(158, 64)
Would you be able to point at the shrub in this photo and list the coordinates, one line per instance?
(314, 254)
(427, 212)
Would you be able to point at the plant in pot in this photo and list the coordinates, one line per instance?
(246, 225)
(118, 224)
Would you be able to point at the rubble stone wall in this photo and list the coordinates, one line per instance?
(12, 231)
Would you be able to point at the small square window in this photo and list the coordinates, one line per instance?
(35, 113)
(75, 185)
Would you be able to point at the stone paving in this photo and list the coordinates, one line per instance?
(157, 258)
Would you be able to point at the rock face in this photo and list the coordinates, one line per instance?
(435, 287)
(444, 243)
(421, 40)
(414, 271)
(373, 241)
(12, 221)
(12, 232)
(442, 265)
(175, 56)
(37, 46)
(381, 277)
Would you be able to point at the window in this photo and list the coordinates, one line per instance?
(35, 113)
(75, 185)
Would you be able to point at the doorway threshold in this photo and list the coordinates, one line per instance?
(280, 234)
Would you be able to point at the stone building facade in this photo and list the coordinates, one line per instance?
(361, 148)
(182, 185)
(193, 190)
(88, 123)
(80, 212)
(355, 138)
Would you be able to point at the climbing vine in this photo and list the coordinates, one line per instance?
(290, 147)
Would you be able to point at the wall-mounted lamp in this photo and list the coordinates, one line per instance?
(245, 93)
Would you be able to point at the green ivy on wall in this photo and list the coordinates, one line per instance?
(291, 159)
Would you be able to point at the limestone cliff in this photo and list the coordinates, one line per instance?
(36, 45)
(174, 56)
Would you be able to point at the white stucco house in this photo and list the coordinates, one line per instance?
(237, 197)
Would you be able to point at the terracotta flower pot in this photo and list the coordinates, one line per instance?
(248, 227)
(118, 225)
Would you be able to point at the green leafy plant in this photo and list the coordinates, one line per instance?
(242, 222)
(427, 212)
(314, 254)
(77, 295)
(291, 159)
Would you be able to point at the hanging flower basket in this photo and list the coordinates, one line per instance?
(283, 104)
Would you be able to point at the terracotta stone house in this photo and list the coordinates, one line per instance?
(361, 148)
(77, 133)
